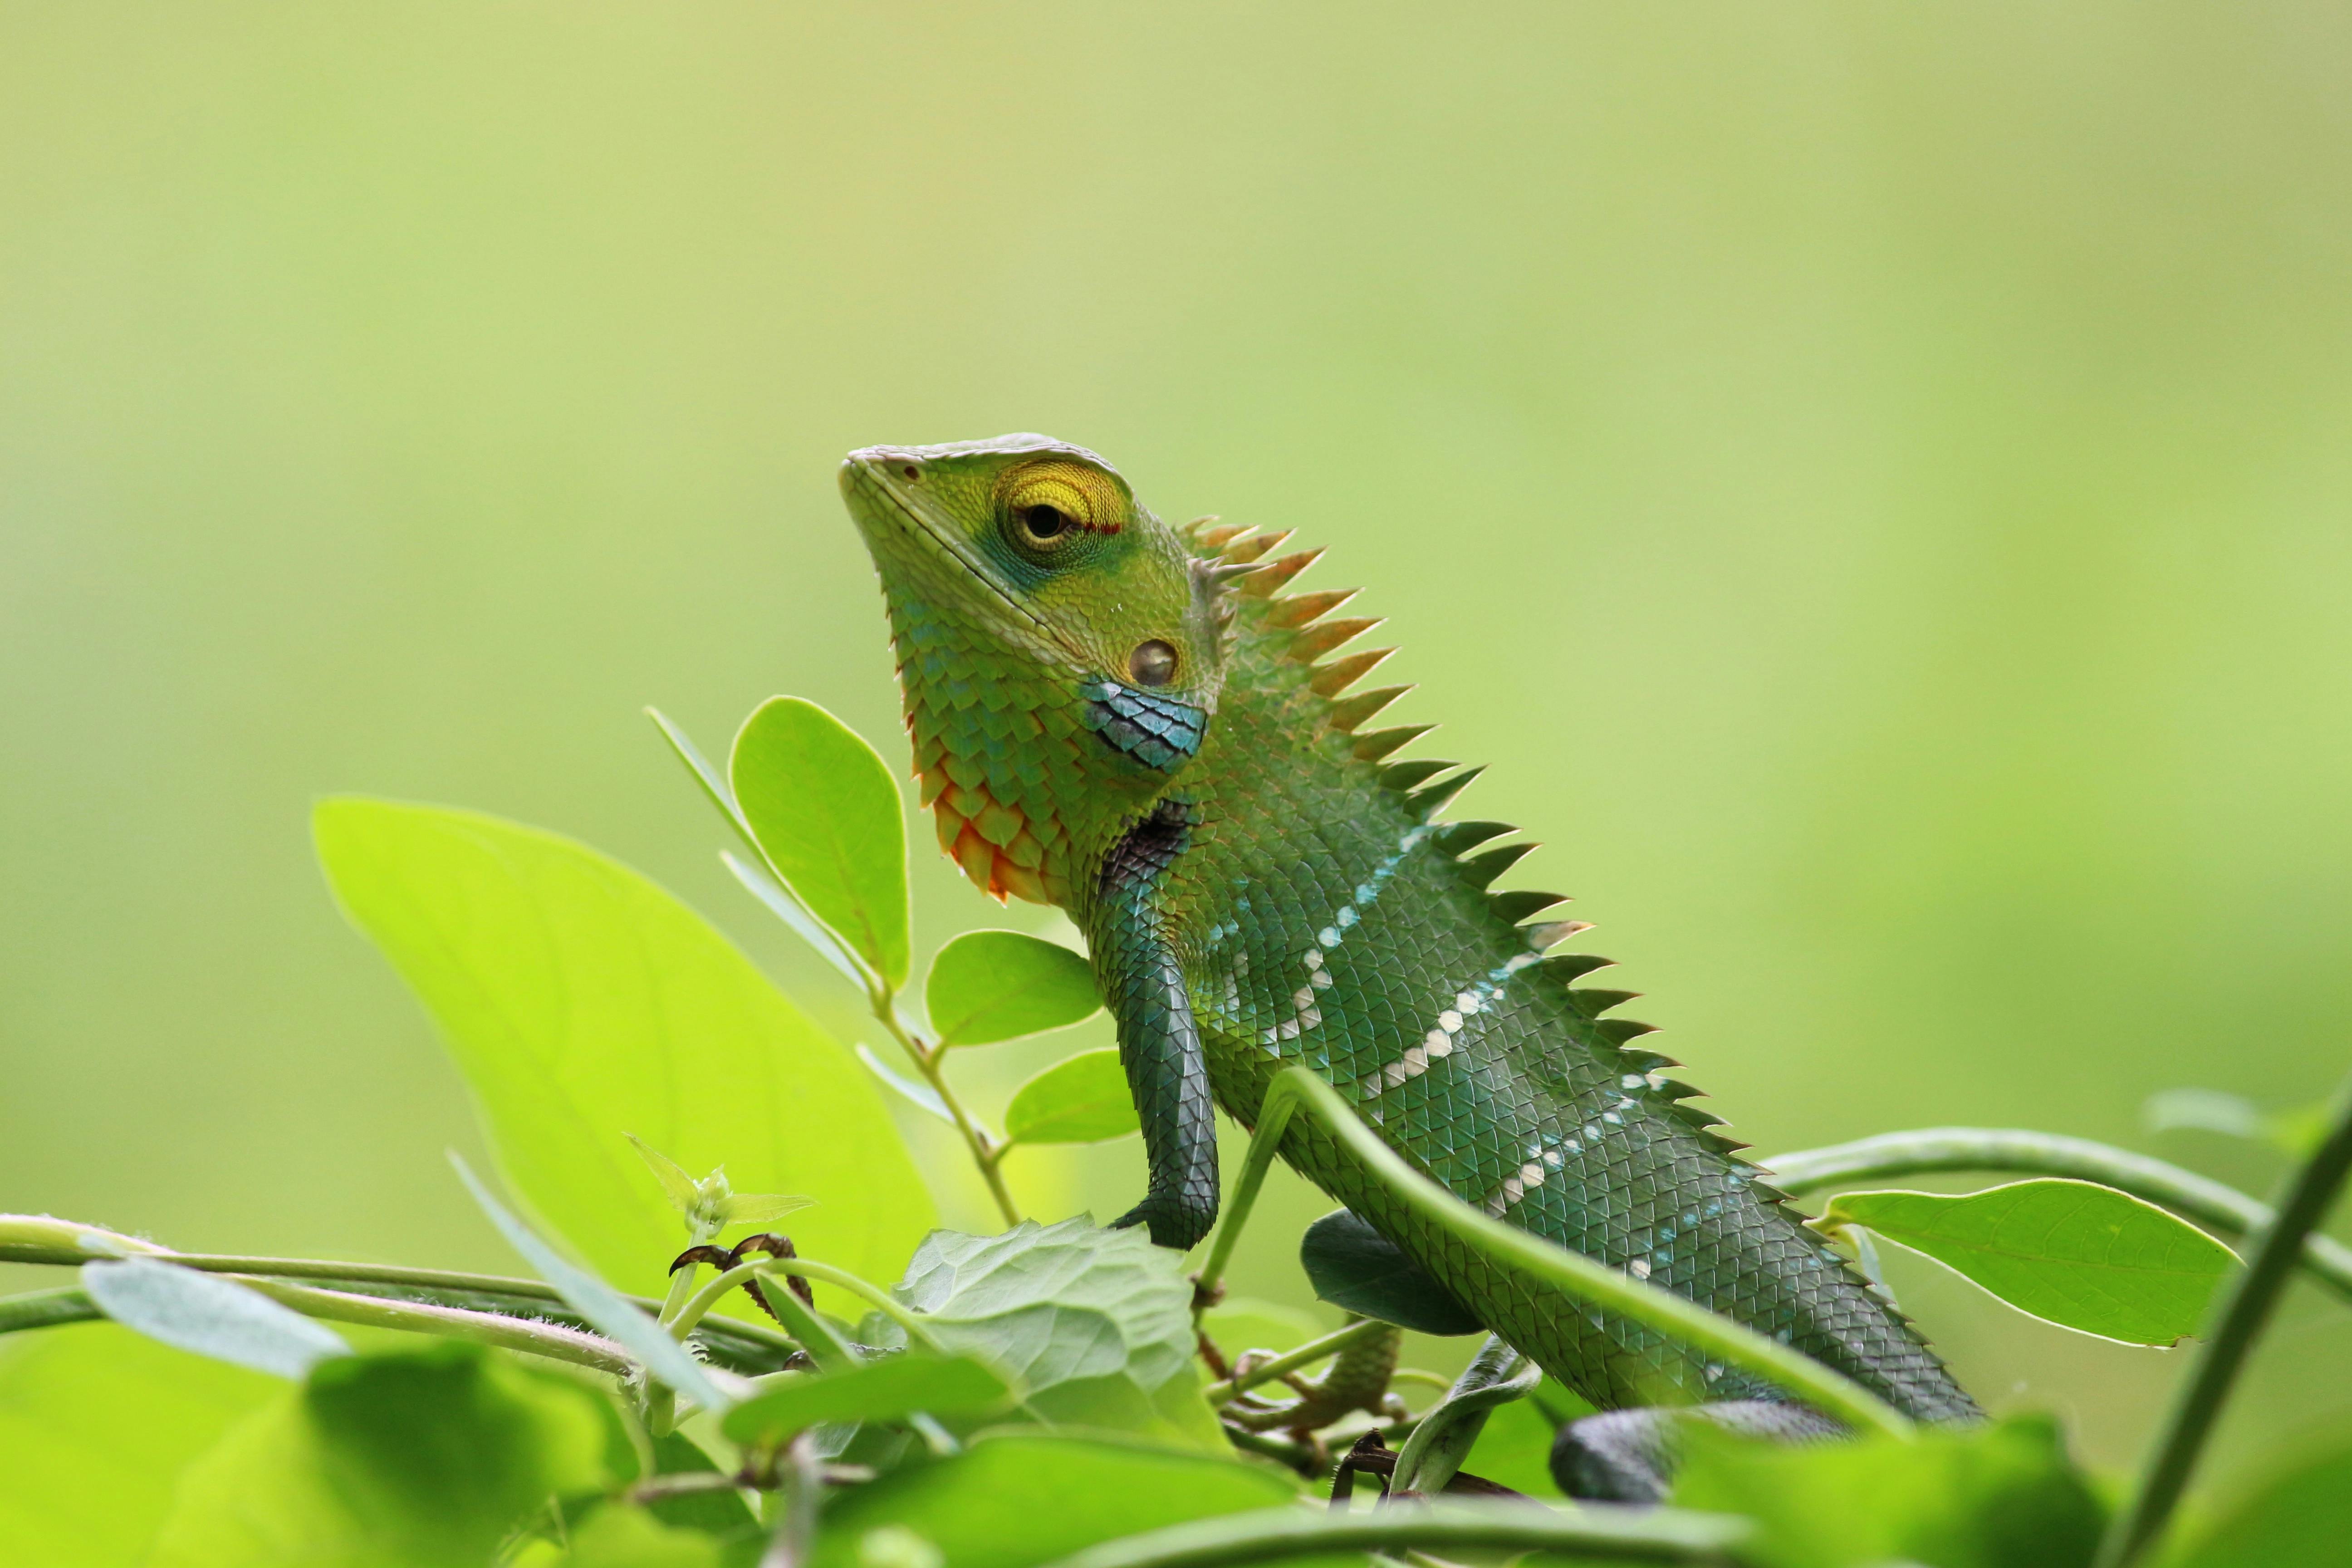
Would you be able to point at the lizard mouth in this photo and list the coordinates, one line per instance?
(876, 486)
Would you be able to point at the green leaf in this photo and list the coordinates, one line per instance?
(1996, 1497)
(210, 1316)
(760, 1209)
(1241, 1323)
(916, 1093)
(581, 1000)
(1082, 1099)
(1096, 1324)
(1514, 1449)
(1017, 1499)
(822, 804)
(419, 1459)
(612, 1314)
(1352, 1266)
(96, 1426)
(616, 1537)
(991, 986)
(2299, 1513)
(889, 1389)
(2074, 1253)
(682, 1190)
(722, 1513)
(762, 885)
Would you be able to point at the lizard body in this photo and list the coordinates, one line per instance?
(1136, 723)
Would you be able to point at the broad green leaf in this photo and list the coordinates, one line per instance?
(617, 1537)
(888, 1389)
(1017, 1499)
(991, 986)
(96, 1426)
(612, 1314)
(418, 1460)
(2074, 1253)
(2299, 1513)
(582, 1001)
(1082, 1099)
(210, 1316)
(822, 804)
(1096, 1324)
(1350, 1264)
(1996, 1497)
(1241, 1323)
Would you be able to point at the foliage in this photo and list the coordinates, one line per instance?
(1013, 1399)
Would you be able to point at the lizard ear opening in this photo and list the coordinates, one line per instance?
(1152, 663)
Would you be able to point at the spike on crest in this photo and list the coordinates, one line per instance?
(1350, 712)
(1371, 748)
(1192, 530)
(1250, 549)
(1299, 609)
(1318, 640)
(1274, 573)
(1552, 935)
(1332, 679)
(1567, 967)
(1592, 1002)
(1520, 903)
(1407, 775)
(1438, 797)
(1461, 837)
(1480, 871)
(1217, 535)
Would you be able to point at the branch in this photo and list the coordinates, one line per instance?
(1268, 1535)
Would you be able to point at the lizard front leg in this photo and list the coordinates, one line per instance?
(1143, 986)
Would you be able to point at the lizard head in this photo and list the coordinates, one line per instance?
(1059, 651)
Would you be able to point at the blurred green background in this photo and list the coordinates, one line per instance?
(1874, 480)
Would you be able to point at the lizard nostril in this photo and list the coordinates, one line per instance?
(912, 470)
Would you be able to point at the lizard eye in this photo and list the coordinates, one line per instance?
(1152, 663)
(1042, 521)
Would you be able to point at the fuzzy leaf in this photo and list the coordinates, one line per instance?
(1019, 1499)
(1083, 1098)
(1096, 1324)
(2074, 1253)
(821, 802)
(578, 999)
(889, 1389)
(1352, 1266)
(991, 986)
(211, 1316)
(426, 1459)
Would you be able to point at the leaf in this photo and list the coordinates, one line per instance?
(1352, 1266)
(991, 986)
(418, 1460)
(723, 1513)
(1095, 1325)
(921, 1095)
(580, 1000)
(760, 1209)
(1514, 1449)
(888, 1389)
(822, 804)
(1082, 1099)
(804, 925)
(1017, 1498)
(682, 1190)
(611, 1313)
(2294, 1132)
(617, 1537)
(96, 1426)
(1241, 1323)
(1994, 1497)
(210, 1316)
(2300, 1512)
(2074, 1253)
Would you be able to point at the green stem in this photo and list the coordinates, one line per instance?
(571, 1345)
(710, 1295)
(930, 1061)
(1939, 1149)
(2238, 1323)
(1307, 1354)
(1495, 1375)
(1573, 1273)
(1268, 1535)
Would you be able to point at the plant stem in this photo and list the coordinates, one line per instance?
(1307, 1354)
(581, 1349)
(1268, 1535)
(987, 1151)
(1935, 1149)
(2238, 1323)
(711, 1294)
(1585, 1278)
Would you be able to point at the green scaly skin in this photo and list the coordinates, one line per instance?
(1133, 722)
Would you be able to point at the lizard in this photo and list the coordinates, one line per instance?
(1146, 726)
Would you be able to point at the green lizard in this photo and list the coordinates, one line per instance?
(1136, 723)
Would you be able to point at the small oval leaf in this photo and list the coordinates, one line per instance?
(828, 817)
(991, 986)
(1083, 1098)
(2076, 1254)
(1351, 1264)
(213, 1317)
(887, 1390)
